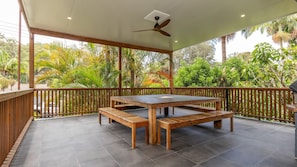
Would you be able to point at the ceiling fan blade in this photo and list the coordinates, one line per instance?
(164, 23)
(164, 33)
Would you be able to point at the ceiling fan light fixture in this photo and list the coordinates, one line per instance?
(160, 22)
(155, 13)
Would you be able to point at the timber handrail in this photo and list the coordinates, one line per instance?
(14, 94)
(16, 113)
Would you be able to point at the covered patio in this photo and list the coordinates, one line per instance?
(81, 141)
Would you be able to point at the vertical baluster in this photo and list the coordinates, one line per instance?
(57, 102)
(42, 103)
(51, 103)
(279, 105)
(241, 102)
(259, 103)
(37, 105)
(47, 103)
(262, 104)
(247, 100)
(93, 108)
(77, 96)
(250, 94)
(84, 101)
(66, 102)
(76, 101)
(274, 104)
(266, 104)
(270, 108)
(282, 104)
(63, 102)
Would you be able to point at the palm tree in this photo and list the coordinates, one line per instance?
(129, 64)
(224, 40)
(107, 69)
(281, 30)
(4, 58)
(54, 64)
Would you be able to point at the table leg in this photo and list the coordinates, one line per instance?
(112, 103)
(166, 111)
(218, 124)
(152, 126)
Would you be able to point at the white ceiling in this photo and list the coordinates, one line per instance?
(192, 21)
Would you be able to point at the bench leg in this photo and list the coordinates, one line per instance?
(168, 139)
(159, 135)
(99, 117)
(146, 135)
(231, 124)
(218, 124)
(133, 135)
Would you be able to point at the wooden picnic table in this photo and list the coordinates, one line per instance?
(152, 102)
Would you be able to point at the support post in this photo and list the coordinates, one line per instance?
(19, 50)
(171, 73)
(120, 69)
(31, 61)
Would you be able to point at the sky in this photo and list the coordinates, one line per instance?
(9, 20)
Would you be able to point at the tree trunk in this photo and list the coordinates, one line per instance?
(132, 73)
(224, 57)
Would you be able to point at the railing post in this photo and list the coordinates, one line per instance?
(227, 99)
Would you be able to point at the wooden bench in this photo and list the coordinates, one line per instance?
(188, 120)
(127, 119)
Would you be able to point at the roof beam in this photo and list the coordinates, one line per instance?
(94, 40)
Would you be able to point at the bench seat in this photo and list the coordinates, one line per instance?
(130, 120)
(189, 120)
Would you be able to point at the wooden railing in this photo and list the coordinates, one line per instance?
(50, 103)
(16, 110)
(260, 103)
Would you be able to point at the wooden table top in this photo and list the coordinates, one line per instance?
(161, 100)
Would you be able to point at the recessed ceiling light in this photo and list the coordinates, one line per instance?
(69, 18)
(242, 15)
(176, 41)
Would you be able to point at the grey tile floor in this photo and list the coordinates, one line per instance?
(82, 142)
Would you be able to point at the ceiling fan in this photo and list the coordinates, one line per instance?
(157, 27)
